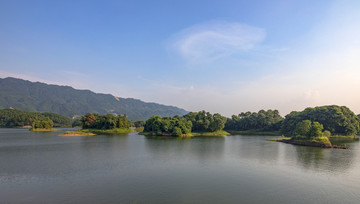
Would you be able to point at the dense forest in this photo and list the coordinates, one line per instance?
(205, 122)
(192, 122)
(336, 119)
(108, 121)
(175, 126)
(46, 123)
(269, 120)
(16, 118)
(39, 97)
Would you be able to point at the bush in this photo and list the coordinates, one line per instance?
(327, 133)
(176, 132)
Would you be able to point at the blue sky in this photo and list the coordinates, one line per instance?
(221, 56)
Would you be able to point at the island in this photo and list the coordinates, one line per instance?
(308, 133)
(192, 124)
(45, 125)
(96, 124)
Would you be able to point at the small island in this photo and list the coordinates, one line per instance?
(308, 133)
(45, 125)
(95, 124)
(76, 133)
(192, 124)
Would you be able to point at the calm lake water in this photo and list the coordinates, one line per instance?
(44, 168)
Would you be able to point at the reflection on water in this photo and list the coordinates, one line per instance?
(130, 168)
(330, 160)
(202, 149)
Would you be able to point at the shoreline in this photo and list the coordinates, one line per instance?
(43, 130)
(74, 135)
(308, 143)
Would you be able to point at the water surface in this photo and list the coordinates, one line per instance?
(37, 167)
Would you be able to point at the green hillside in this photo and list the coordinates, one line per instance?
(65, 100)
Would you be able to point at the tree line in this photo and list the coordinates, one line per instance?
(335, 119)
(332, 119)
(108, 121)
(10, 118)
(269, 120)
(192, 122)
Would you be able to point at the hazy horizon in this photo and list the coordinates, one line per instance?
(226, 57)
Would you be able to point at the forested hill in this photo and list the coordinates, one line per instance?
(65, 100)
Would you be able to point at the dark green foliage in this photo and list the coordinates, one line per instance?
(40, 97)
(316, 130)
(269, 120)
(206, 122)
(108, 121)
(175, 126)
(177, 132)
(309, 130)
(336, 119)
(59, 120)
(77, 123)
(303, 128)
(17, 118)
(139, 123)
(43, 124)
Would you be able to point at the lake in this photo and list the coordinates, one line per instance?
(38, 167)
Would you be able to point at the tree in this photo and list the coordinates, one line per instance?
(316, 130)
(303, 128)
(43, 124)
(176, 132)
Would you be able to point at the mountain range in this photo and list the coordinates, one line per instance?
(65, 100)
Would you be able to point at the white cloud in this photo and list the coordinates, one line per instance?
(211, 41)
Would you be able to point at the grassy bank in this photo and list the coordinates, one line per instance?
(43, 129)
(216, 133)
(108, 131)
(139, 129)
(255, 132)
(76, 133)
(323, 142)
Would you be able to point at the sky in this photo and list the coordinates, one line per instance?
(220, 56)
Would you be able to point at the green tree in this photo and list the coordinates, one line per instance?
(303, 128)
(336, 119)
(316, 130)
(176, 132)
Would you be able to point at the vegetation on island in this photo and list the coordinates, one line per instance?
(308, 133)
(105, 124)
(167, 126)
(255, 123)
(191, 124)
(77, 133)
(96, 124)
(43, 125)
(339, 120)
(11, 118)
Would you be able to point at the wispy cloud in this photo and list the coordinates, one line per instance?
(211, 41)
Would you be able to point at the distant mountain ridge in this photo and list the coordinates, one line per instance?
(65, 100)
